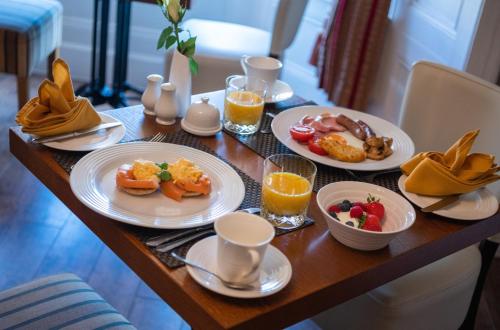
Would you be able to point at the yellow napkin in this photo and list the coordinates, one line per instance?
(453, 172)
(56, 110)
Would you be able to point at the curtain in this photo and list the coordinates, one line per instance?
(347, 53)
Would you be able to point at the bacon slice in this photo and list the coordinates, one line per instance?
(331, 123)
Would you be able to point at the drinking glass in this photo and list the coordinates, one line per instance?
(244, 104)
(286, 189)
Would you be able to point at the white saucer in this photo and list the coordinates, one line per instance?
(276, 270)
(476, 205)
(97, 140)
(281, 92)
(185, 126)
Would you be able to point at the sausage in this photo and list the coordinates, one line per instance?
(367, 129)
(352, 126)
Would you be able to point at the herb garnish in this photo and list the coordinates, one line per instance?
(164, 175)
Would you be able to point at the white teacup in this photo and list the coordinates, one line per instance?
(242, 242)
(263, 68)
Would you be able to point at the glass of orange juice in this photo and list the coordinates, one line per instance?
(286, 189)
(244, 104)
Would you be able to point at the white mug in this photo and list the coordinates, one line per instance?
(262, 67)
(241, 245)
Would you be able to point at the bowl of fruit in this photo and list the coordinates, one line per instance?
(364, 216)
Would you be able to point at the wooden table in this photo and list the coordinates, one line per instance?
(325, 272)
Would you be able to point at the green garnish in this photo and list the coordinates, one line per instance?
(165, 175)
(163, 165)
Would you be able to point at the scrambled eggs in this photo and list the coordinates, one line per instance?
(184, 170)
(145, 170)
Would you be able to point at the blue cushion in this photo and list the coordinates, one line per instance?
(35, 25)
(57, 302)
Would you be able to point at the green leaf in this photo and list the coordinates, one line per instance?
(165, 175)
(170, 41)
(163, 165)
(193, 66)
(189, 47)
(362, 221)
(163, 37)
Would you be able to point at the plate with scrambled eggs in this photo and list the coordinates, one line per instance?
(157, 185)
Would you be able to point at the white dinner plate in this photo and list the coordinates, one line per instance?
(276, 270)
(281, 92)
(93, 182)
(403, 147)
(97, 140)
(476, 205)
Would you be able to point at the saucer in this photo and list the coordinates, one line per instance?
(281, 92)
(476, 205)
(275, 273)
(185, 126)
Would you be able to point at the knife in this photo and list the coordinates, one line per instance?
(441, 203)
(77, 133)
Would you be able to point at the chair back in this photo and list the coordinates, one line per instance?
(440, 104)
(286, 24)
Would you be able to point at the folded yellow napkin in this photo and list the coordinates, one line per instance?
(56, 110)
(453, 172)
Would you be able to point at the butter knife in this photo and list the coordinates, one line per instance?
(441, 203)
(77, 133)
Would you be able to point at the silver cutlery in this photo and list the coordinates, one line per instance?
(165, 247)
(229, 284)
(268, 129)
(441, 203)
(371, 177)
(77, 133)
(173, 236)
(158, 137)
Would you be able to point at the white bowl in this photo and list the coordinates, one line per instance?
(399, 214)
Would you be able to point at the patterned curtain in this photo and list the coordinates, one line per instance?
(347, 54)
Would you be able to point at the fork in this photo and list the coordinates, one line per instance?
(371, 177)
(158, 137)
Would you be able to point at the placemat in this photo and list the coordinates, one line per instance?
(67, 159)
(267, 144)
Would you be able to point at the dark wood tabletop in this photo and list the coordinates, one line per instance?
(325, 272)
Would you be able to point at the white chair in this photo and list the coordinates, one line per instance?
(220, 45)
(439, 105)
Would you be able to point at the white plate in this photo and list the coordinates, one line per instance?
(402, 144)
(281, 92)
(93, 182)
(276, 270)
(97, 140)
(476, 205)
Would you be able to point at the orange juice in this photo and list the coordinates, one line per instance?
(285, 194)
(243, 107)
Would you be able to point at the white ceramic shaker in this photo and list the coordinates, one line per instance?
(166, 106)
(151, 93)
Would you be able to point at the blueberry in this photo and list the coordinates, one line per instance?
(334, 215)
(346, 201)
(350, 223)
(344, 207)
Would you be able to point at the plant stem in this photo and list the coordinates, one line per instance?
(177, 37)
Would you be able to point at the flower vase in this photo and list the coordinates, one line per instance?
(180, 76)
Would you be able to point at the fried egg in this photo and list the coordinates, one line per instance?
(351, 140)
(184, 170)
(145, 169)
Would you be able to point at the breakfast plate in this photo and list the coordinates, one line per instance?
(281, 92)
(276, 270)
(476, 205)
(92, 180)
(403, 147)
(97, 140)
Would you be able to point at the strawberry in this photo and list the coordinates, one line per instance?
(360, 204)
(372, 223)
(356, 212)
(374, 207)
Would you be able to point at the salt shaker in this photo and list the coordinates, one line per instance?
(151, 93)
(166, 106)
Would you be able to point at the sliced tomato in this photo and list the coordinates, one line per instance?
(316, 148)
(301, 133)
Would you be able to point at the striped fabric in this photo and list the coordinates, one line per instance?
(57, 302)
(29, 31)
